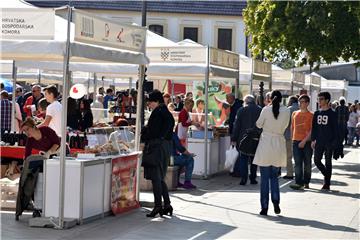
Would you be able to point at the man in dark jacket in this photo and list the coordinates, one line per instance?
(325, 137)
(235, 104)
(342, 112)
(246, 118)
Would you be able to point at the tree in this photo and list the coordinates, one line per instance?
(312, 31)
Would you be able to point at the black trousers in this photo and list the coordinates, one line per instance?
(160, 190)
(327, 169)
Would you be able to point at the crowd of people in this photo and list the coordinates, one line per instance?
(287, 132)
(293, 132)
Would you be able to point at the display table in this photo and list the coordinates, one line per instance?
(196, 146)
(15, 152)
(93, 187)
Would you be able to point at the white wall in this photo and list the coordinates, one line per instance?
(353, 93)
(173, 22)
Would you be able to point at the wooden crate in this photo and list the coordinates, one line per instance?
(171, 179)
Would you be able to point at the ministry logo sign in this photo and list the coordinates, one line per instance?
(165, 54)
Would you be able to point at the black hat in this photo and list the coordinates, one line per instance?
(156, 96)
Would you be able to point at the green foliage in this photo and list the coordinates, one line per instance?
(313, 31)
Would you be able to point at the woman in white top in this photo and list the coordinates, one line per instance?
(53, 110)
(271, 151)
(351, 124)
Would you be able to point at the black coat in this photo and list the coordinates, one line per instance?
(86, 121)
(246, 118)
(233, 110)
(160, 126)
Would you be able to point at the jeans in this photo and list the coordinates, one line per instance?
(289, 156)
(327, 169)
(244, 167)
(186, 161)
(302, 158)
(160, 190)
(269, 175)
(351, 135)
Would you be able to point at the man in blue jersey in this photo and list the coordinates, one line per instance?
(324, 137)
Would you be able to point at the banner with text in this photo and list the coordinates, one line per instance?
(299, 78)
(315, 81)
(177, 55)
(25, 24)
(224, 58)
(100, 31)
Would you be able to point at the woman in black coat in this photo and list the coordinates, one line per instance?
(157, 137)
(86, 119)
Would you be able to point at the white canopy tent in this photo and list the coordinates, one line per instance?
(63, 48)
(282, 80)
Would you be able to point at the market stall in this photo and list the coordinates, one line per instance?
(313, 85)
(94, 186)
(298, 83)
(70, 47)
(282, 80)
(192, 62)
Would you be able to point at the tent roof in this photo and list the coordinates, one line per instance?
(54, 50)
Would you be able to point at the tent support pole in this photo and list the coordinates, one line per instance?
(139, 103)
(237, 80)
(207, 75)
(292, 82)
(95, 84)
(252, 76)
(13, 113)
(66, 75)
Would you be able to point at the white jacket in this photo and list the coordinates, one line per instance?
(271, 150)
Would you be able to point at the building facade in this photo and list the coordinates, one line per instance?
(218, 24)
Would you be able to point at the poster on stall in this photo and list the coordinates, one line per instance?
(123, 184)
(218, 107)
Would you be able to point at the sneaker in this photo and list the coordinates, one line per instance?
(180, 185)
(188, 185)
(306, 186)
(325, 187)
(297, 187)
(288, 177)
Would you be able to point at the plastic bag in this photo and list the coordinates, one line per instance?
(231, 157)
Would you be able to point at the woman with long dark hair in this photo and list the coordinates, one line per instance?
(157, 136)
(271, 151)
(86, 119)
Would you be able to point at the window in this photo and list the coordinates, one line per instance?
(224, 39)
(156, 28)
(191, 33)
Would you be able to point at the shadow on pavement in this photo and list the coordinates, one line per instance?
(333, 182)
(311, 223)
(212, 205)
(131, 225)
(336, 193)
(353, 176)
(348, 167)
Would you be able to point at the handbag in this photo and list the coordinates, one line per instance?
(151, 155)
(248, 144)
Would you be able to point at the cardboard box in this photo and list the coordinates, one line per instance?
(171, 179)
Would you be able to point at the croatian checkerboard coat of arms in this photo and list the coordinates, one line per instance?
(165, 53)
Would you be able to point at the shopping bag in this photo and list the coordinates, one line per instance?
(231, 156)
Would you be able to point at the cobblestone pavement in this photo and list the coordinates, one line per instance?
(221, 208)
